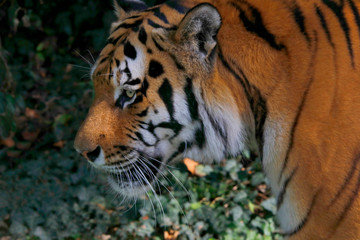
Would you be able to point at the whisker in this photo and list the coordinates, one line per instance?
(86, 60)
(143, 187)
(164, 164)
(152, 189)
(79, 66)
(180, 183)
(92, 57)
(173, 197)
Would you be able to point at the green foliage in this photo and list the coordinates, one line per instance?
(48, 191)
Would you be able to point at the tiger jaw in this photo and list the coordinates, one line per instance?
(130, 178)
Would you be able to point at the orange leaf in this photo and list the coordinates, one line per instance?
(9, 142)
(171, 235)
(191, 165)
(59, 144)
(31, 113)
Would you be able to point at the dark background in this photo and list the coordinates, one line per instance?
(47, 191)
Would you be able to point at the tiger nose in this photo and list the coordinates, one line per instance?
(92, 155)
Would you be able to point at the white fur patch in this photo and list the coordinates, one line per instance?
(137, 69)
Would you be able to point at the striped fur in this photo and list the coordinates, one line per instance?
(279, 77)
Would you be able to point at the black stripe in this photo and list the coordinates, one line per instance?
(284, 187)
(178, 65)
(173, 125)
(143, 113)
(154, 24)
(350, 174)
(191, 99)
(129, 136)
(122, 147)
(356, 14)
(114, 41)
(103, 60)
(293, 128)
(133, 82)
(160, 15)
(132, 17)
(217, 127)
(354, 193)
(138, 99)
(242, 81)
(338, 11)
(127, 70)
(166, 92)
(129, 25)
(306, 218)
(141, 138)
(110, 69)
(180, 150)
(155, 69)
(145, 86)
(300, 21)
(142, 36)
(129, 50)
(117, 61)
(200, 136)
(324, 25)
(157, 45)
(255, 99)
(257, 25)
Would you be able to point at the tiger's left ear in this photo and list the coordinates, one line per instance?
(198, 29)
(121, 11)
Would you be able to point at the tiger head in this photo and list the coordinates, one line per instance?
(158, 98)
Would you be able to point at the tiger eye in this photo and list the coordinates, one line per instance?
(130, 93)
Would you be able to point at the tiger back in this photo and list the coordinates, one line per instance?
(210, 80)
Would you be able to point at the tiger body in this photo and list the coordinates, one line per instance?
(280, 78)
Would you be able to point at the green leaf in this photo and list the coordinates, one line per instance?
(237, 212)
(251, 207)
(257, 178)
(195, 205)
(270, 205)
(40, 47)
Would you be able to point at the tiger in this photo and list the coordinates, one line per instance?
(208, 80)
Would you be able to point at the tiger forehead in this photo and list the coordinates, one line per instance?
(123, 42)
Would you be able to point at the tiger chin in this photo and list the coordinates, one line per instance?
(209, 79)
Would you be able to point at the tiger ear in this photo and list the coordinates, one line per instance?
(198, 29)
(121, 11)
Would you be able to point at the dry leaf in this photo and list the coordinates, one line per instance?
(9, 142)
(171, 235)
(59, 144)
(103, 237)
(194, 167)
(191, 165)
(31, 113)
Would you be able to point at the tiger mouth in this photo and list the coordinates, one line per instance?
(138, 174)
